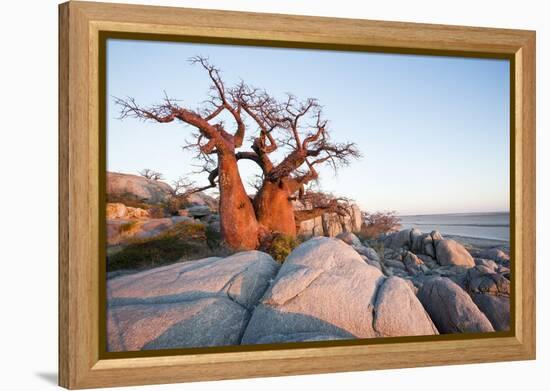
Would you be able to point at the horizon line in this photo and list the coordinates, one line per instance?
(451, 213)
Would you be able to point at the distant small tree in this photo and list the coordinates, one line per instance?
(375, 224)
(180, 191)
(150, 174)
(182, 186)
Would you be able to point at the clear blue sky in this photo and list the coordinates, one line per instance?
(433, 131)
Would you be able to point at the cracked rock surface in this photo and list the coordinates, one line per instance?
(451, 308)
(188, 304)
(325, 290)
(399, 313)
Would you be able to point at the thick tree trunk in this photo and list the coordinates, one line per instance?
(239, 226)
(274, 208)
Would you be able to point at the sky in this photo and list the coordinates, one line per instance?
(433, 131)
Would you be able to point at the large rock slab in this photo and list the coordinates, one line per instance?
(139, 187)
(188, 304)
(450, 252)
(209, 321)
(451, 308)
(399, 313)
(496, 308)
(325, 290)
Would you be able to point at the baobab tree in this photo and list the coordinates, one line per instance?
(289, 139)
(151, 174)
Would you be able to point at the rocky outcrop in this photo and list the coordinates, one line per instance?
(445, 251)
(398, 239)
(414, 240)
(451, 308)
(482, 279)
(118, 210)
(138, 187)
(490, 290)
(493, 267)
(325, 290)
(330, 224)
(452, 285)
(187, 304)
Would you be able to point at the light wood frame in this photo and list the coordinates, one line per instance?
(80, 23)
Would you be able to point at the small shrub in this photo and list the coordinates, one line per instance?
(279, 246)
(375, 224)
(127, 227)
(128, 199)
(188, 230)
(214, 237)
(150, 253)
(175, 203)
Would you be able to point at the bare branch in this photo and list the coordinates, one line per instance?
(319, 203)
(167, 111)
(233, 107)
(212, 178)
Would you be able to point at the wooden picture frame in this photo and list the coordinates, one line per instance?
(81, 25)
